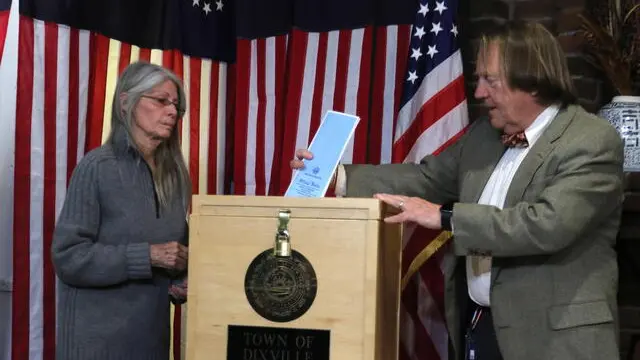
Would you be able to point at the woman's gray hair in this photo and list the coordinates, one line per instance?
(171, 176)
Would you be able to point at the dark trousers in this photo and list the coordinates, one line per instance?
(481, 337)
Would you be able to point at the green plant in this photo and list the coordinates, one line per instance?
(612, 32)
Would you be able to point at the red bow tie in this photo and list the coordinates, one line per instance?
(518, 140)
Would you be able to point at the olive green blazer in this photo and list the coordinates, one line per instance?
(554, 272)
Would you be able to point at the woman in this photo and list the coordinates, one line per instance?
(120, 240)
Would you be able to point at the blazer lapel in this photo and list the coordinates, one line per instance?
(526, 170)
(537, 155)
(532, 162)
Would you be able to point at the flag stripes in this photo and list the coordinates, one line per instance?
(22, 318)
(98, 62)
(50, 102)
(4, 26)
(444, 83)
(258, 120)
(218, 130)
(49, 171)
(451, 125)
(433, 115)
(66, 79)
(243, 120)
(392, 44)
(335, 73)
(423, 333)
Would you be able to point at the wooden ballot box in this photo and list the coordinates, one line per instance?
(292, 279)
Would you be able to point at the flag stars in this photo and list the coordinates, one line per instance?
(416, 54)
(219, 5)
(440, 7)
(412, 77)
(436, 28)
(196, 3)
(420, 32)
(424, 9)
(207, 8)
(432, 51)
(454, 31)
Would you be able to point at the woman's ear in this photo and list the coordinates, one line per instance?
(124, 97)
(123, 100)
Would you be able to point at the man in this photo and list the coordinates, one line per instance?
(533, 196)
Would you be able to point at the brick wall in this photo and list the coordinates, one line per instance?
(560, 16)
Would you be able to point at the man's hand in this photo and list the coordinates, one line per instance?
(298, 163)
(413, 209)
(301, 154)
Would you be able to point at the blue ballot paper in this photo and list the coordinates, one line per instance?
(327, 146)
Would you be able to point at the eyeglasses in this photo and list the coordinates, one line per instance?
(166, 102)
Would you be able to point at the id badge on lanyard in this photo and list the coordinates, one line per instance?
(470, 351)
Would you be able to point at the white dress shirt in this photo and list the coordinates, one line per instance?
(495, 192)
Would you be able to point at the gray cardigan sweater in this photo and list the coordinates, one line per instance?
(112, 303)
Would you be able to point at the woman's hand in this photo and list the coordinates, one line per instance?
(171, 255)
(179, 290)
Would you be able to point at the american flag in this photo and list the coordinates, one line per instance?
(63, 81)
(247, 112)
(432, 115)
(4, 23)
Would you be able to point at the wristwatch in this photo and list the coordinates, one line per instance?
(446, 213)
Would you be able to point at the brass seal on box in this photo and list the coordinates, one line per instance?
(280, 283)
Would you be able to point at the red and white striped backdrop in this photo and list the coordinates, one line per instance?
(290, 81)
(53, 80)
(65, 84)
(258, 111)
(243, 123)
(4, 25)
(433, 119)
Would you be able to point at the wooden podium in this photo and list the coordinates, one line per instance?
(337, 298)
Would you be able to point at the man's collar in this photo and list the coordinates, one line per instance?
(533, 131)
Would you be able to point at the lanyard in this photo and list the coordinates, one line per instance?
(476, 317)
(470, 351)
